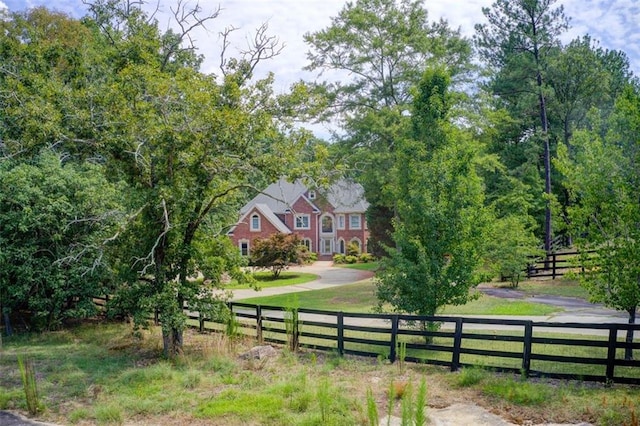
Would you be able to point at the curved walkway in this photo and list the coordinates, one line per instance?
(328, 276)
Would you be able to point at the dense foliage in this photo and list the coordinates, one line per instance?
(278, 252)
(123, 164)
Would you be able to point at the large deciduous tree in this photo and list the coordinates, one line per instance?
(516, 44)
(115, 90)
(603, 178)
(440, 218)
(374, 52)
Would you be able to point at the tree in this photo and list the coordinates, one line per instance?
(375, 51)
(278, 252)
(440, 215)
(516, 44)
(603, 180)
(186, 145)
(54, 219)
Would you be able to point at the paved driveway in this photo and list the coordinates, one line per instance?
(328, 276)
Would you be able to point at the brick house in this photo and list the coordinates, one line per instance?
(325, 220)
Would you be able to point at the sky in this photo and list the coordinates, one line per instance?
(613, 22)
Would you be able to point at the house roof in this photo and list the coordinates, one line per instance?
(345, 196)
(268, 214)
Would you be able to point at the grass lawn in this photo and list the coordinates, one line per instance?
(360, 297)
(369, 266)
(103, 374)
(265, 280)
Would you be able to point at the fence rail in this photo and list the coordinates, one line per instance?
(591, 352)
(555, 264)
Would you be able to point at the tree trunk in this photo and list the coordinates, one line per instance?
(628, 351)
(172, 341)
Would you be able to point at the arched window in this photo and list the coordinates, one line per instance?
(341, 246)
(327, 224)
(307, 243)
(255, 222)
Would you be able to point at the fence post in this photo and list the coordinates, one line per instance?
(200, 322)
(526, 349)
(340, 321)
(611, 353)
(394, 338)
(259, 324)
(457, 345)
(554, 266)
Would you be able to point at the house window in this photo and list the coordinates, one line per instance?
(307, 243)
(303, 221)
(312, 195)
(244, 247)
(357, 243)
(340, 219)
(326, 246)
(327, 224)
(341, 246)
(354, 221)
(255, 222)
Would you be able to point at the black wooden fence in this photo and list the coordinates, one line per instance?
(593, 352)
(555, 264)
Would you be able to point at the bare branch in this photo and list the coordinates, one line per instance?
(151, 257)
(188, 19)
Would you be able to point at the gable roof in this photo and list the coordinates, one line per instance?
(344, 195)
(268, 214)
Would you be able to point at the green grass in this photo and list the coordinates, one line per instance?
(488, 305)
(110, 377)
(360, 297)
(369, 266)
(265, 280)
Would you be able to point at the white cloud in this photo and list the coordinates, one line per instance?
(3, 6)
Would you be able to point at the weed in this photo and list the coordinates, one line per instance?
(109, 414)
(292, 325)
(29, 384)
(470, 376)
(372, 409)
(323, 396)
(391, 397)
(407, 407)
(78, 415)
(401, 350)
(421, 402)
(518, 392)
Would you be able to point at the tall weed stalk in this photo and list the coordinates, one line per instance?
(292, 327)
(28, 375)
(372, 409)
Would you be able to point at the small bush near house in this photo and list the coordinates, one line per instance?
(351, 259)
(366, 258)
(353, 249)
(339, 258)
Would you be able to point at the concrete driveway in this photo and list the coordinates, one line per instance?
(328, 276)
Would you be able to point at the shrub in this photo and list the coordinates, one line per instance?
(366, 258)
(353, 249)
(351, 259)
(339, 258)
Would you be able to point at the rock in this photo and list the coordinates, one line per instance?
(259, 352)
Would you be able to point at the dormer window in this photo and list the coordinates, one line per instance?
(312, 195)
(255, 222)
